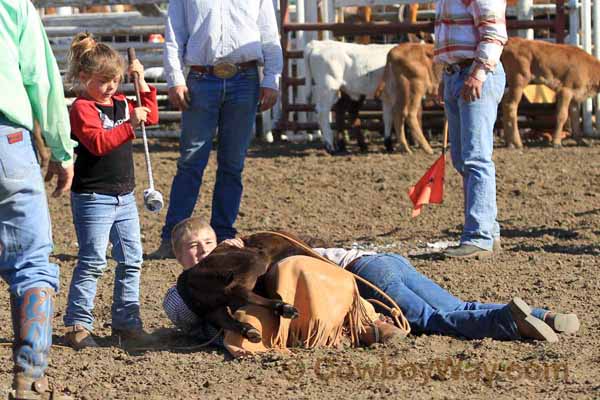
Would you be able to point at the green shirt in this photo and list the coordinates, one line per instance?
(30, 82)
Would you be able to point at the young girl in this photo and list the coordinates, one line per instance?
(102, 198)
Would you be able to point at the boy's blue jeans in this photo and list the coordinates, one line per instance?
(229, 106)
(471, 133)
(429, 308)
(99, 219)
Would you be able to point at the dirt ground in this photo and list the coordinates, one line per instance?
(549, 210)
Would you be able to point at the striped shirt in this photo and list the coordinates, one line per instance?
(186, 320)
(470, 29)
(206, 32)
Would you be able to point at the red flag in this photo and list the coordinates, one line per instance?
(430, 188)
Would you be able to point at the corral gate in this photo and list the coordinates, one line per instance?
(292, 104)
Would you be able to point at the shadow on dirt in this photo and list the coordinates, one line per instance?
(593, 250)
(65, 257)
(558, 233)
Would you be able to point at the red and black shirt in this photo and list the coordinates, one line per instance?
(104, 132)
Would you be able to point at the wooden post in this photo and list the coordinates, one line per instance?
(365, 14)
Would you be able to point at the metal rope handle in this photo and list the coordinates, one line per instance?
(136, 84)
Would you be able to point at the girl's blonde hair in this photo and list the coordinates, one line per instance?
(90, 57)
(186, 228)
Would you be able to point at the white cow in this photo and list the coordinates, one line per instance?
(355, 69)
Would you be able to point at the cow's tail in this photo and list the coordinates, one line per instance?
(384, 77)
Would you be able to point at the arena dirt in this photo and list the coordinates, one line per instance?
(549, 210)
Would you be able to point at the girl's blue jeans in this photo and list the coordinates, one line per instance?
(430, 308)
(100, 219)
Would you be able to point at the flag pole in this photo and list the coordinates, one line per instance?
(445, 146)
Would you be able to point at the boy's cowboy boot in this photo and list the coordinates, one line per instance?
(32, 326)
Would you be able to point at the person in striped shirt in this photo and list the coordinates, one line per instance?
(469, 38)
(428, 307)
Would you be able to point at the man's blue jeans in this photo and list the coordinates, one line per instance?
(228, 106)
(99, 219)
(25, 245)
(25, 230)
(429, 308)
(471, 132)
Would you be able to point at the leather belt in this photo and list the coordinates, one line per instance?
(459, 66)
(224, 70)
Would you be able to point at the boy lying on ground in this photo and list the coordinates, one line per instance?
(428, 307)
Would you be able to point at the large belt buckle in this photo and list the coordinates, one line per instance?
(225, 70)
(450, 68)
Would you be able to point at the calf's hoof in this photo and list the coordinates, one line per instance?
(389, 145)
(341, 147)
(252, 334)
(556, 145)
(285, 310)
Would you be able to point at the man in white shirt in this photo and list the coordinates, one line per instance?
(222, 43)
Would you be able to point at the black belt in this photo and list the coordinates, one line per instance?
(224, 70)
(459, 66)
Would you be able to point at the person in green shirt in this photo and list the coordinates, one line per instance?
(31, 90)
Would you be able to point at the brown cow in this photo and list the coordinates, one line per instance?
(227, 278)
(410, 74)
(571, 72)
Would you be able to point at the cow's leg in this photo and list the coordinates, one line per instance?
(280, 308)
(221, 317)
(399, 119)
(414, 106)
(563, 99)
(400, 109)
(340, 108)
(325, 100)
(510, 107)
(388, 118)
(576, 131)
(356, 130)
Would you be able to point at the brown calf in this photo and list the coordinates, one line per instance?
(571, 72)
(410, 74)
(230, 277)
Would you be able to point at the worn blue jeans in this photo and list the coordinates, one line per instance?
(228, 106)
(25, 230)
(99, 219)
(429, 308)
(471, 132)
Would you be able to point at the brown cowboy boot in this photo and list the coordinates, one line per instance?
(32, 325)
(27, 388)
(563, 323)
(381, 331)
(527, 325)
(78, 338)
